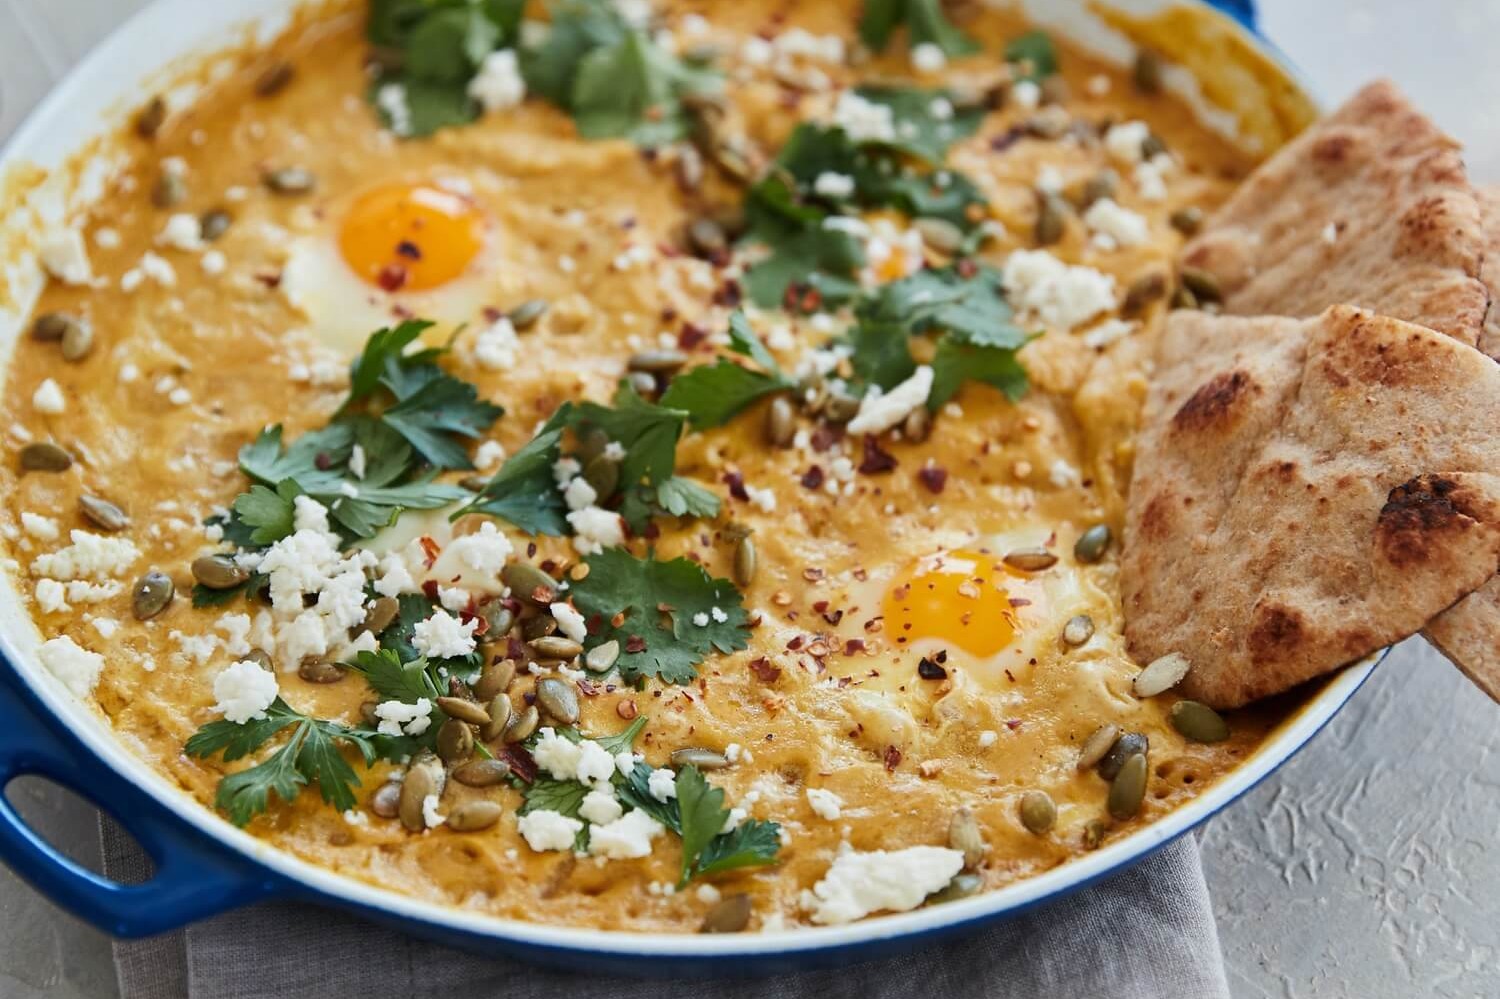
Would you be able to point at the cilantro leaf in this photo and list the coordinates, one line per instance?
(742, 340)
(647, 432)
(1034, 54)
(623, 740)
(882, 352)
(395, 680)
(713, 394)
(958, 358)
(524, 491)
(682, 497)
(577, 28)
(665, 643)
(821, 259)
(397, 638)
(921, 130)
(442, 407)
(752, 843)
(925, 21)
(269, 512)
(382, 352)
(706, 849)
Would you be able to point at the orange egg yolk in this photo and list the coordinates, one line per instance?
(410, 237)
(959, 597)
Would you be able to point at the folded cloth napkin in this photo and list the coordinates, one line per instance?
(1147, 933)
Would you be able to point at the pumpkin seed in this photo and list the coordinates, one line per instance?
(1152, 146)
(289, 180)
(1101, 185)
(964, 835)
(602, 473)
(689, 169)
(425, 777)
(1203, 285)
(1097, 745)
(1030, 559)
(1038, 812)
(917, 425)
(1128, 789)
(643, 382)
(274, 79)
(745, 562)
(558, 699)
(1184, 299)
(1093, 833)
(1049, 123)
(781, 422)
(169, 190)
(151, 594)
(556, 647)
(1198, 722)
(386, 801)
(541, 626)
(1147, 72)
(731, 914)
(219, 572)
(1051, 221)
(77, 341)
(657, 362)
(529, 584)
(320, 671)
(455, 741)
(707, 238)
(213, 224)
(1127, 745)
(381, 614)
(463, 710)
(1142, 292)
(499, 711)
(703, 759)
(1187, 220)
(472, 816)
(1093, 543)
(1161, 675)
(482, 773)
(840, 406)
(1078, 630)
(51, 327)
(260, 658)
(367, 712)
(494, 679)
(601, 657)
(522, 725)
(44, 456)
(940, 234)
(525, 315)
(151, 117)
(499, 617)
(962, 886)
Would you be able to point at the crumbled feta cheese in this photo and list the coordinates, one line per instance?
(833, 185)
(214, 263)
(708, 894)
(862, 120)
(64, 256)
(487, 456)
(545, 829)
(182, 232)
(595, 529)
(825, 804)
(625, 762)
(764, 499)
(1060, 295)
(859, 884)
(570, 622)
(42, 528)
(1107, 332)
(151, 266)
(107, 238)
(244, 691)
(496, 345)
(498, 84)
(1125, 142)
(476, 558)
(1049, 180)
(1062, 474)
(1098, 85)
(105, 626)
(431, 817)
(75, 666)
(880, 412)
(987, 738)
(309, 515)
(601, 807)
(398, 717)
(395, 578)
(626, 837)
(51, 596)
(48, 398)
(928, 58)
(90, 556)
(1026, 95)
(662, 784)
(443, 636)
(391, 100)
(1121, 226)
(579, 494)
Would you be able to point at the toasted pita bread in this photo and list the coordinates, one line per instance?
(1468, 633)
(1305, 492)
(1370, 206)
(1489, 271)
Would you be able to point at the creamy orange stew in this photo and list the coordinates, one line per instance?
(914, 647)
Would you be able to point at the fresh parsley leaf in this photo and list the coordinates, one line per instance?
(819, 259)
(928, 122)
(268, 512)
(713, 394)
(958, 358)
(753, 843)
(524, 491)
(658, 636)
(742, 340)
(577, 27)
(623, 740)
(382, 353)
(882, 352)
(1033, 54)
(682, 497)
(395, 680)
(397, 639)
(430, 417)
(647, 432)
(706, 849)
(925, 21)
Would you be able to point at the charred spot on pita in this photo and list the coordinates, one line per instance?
(1415, 512)
(1215, 402)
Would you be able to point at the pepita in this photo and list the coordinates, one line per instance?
(320, 671)
(213, 224)
(1097, 745)
(1203, 285)
(522, 725)
(482, 773)
(274, 79)
(1030, 559)
(1093, 543)
(44, 456)
(1128, 789)
(455, 741)
(962, 886)
(965, 836)
(169, 190)
(386, 801)
(463, 710)
(940, 234)
(703, 759)
(657, 362)
(262, 659)
(472, 816)
(917, 425)
(1038, 812)
(102, 513)
(731, 914)
(688, 169)
(151, 594)
(494, 679)
(1182, 298)
(601, 657)
(1198, 722)
(381, 614)
(219, 572)
(1103, 184)
(1187, 220)
(1127, 745)
(525, 315)
(1094, 832)
(151, 117)
(77, 341)
(602, 473)
(558, 699)
(500, 713)
(540, 626)
(707, 238)
(51, 327)
(1078, 630)
(1051, 221)
(745, 562)
(1142, 292)
(500, 619)
(555, 647)
(289, 180)
(1161, 675)
(1152, 146)
(529, 584)
(840, 406)
(781, 422)
(1146, 72)
(425, 777)
(643, 382)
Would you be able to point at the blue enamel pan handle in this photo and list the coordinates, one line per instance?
(1242, 11)
(194, 876)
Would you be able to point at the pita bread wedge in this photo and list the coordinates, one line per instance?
(1468, 633)
(1305, 492)
(1489, 272)
(1370, 206)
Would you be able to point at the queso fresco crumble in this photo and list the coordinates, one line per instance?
(648, 467)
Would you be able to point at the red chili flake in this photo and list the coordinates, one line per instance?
(728, 294)
(635, 643)
(929, 670)
(271, 279)
(491, 314)
(430, 588)
(430, 550)
(587, 689)
(626, 709)
(521, 762)
(736, 483)
(1000, 143)
(966, 268)
(391, 277)
(876, 459)
(652, 531)
(691, 336)
(323, 461)
(411, 251)
(941, 657)
(765, 671)
(531, 549)
(854, 645)
(514, 648)
(1013, 723)
(892, 758)
(933, 477)
(833, 617)
(1019, 602)
(795, 643)
(812, 574)
(820, 606)
(825, 437)
(813, 477)
(481, 623)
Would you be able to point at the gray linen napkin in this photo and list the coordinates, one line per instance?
(1147, 933)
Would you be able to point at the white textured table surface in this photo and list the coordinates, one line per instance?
(1369, 867)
